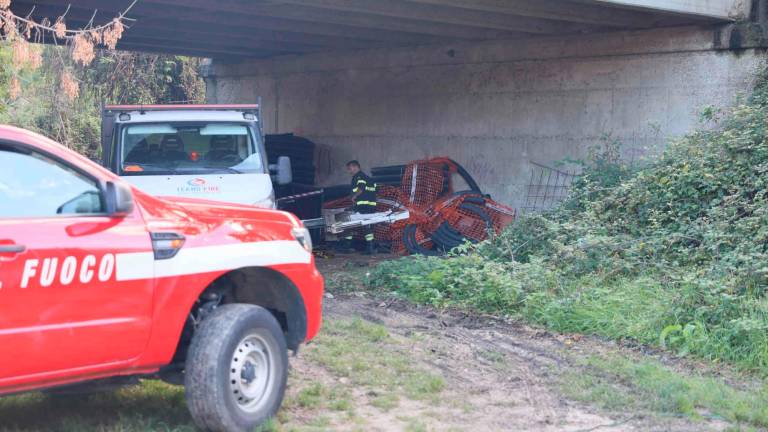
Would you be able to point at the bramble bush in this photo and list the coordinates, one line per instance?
(673, 253)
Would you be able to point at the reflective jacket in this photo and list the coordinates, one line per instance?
(366, 201)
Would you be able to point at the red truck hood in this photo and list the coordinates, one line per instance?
(222, 209)
(201, 214)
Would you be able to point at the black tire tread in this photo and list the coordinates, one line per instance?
(203, 393)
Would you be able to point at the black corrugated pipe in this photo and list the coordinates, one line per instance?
(467, 177)
(413, 246)
(480, 212)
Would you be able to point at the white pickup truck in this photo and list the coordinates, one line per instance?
(213, 152)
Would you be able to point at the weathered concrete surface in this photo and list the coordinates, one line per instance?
(735, 9)
(495, 106)
(234, 29)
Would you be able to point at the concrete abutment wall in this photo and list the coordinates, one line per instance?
(496, 106)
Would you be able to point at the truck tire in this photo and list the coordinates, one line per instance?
(236, 369)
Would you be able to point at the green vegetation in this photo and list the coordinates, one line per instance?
(114, 77)
(617, 382)
(673, 253)
(151, 406)
(365, 354)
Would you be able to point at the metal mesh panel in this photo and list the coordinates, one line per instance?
(547, 187)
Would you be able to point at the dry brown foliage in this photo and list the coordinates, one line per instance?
(26, 55)
(113, 33)
(14, 88)
(69, 85)
(19, 31)
(60, 29)
(20, 51)
(82, 49)
(95, 36)
(8, 25)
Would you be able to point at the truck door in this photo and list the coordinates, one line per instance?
(63, 307)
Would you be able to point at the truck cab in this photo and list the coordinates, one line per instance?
(213, 152)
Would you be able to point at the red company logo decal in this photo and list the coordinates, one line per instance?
(198, 185)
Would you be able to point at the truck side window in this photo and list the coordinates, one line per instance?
(33, 185)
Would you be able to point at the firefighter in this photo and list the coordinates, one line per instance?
(364, 198)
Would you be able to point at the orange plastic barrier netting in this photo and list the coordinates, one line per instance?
(423, 183)
(440, 218)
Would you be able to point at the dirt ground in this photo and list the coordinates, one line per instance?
(497, 375)
(381, 364)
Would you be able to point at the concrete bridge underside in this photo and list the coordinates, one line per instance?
(235, 29)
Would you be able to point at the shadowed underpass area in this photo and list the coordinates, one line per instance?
(237, 29)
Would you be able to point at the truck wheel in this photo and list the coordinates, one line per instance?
(236, 369)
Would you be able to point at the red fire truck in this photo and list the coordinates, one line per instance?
(101, 283)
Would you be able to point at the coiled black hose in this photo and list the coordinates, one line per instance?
(443, 241)
(472, 208)
(466, 176)
(413, 246)
(446, 243)
(447, 230)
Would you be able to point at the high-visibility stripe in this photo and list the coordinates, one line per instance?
(362, 181)
(355, 189)
(206, 259)
(369, 237)
(370, 203)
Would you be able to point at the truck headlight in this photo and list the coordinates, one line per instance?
(302, 236)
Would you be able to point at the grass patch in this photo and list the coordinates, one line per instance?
(622, 383)
(312, 396)
(339, 400)
(386, 402)
(493, 356)
(150, 406)
(367, 355)
(318, 399)
(619, 307)
(423, 385)
(679, 311)
(269, 426)
(414, 425)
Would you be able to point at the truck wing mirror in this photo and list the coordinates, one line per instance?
(119, 199)
(283, 171)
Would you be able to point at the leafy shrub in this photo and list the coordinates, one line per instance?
(673, 253)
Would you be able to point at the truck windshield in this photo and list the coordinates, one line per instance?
(208, 148)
